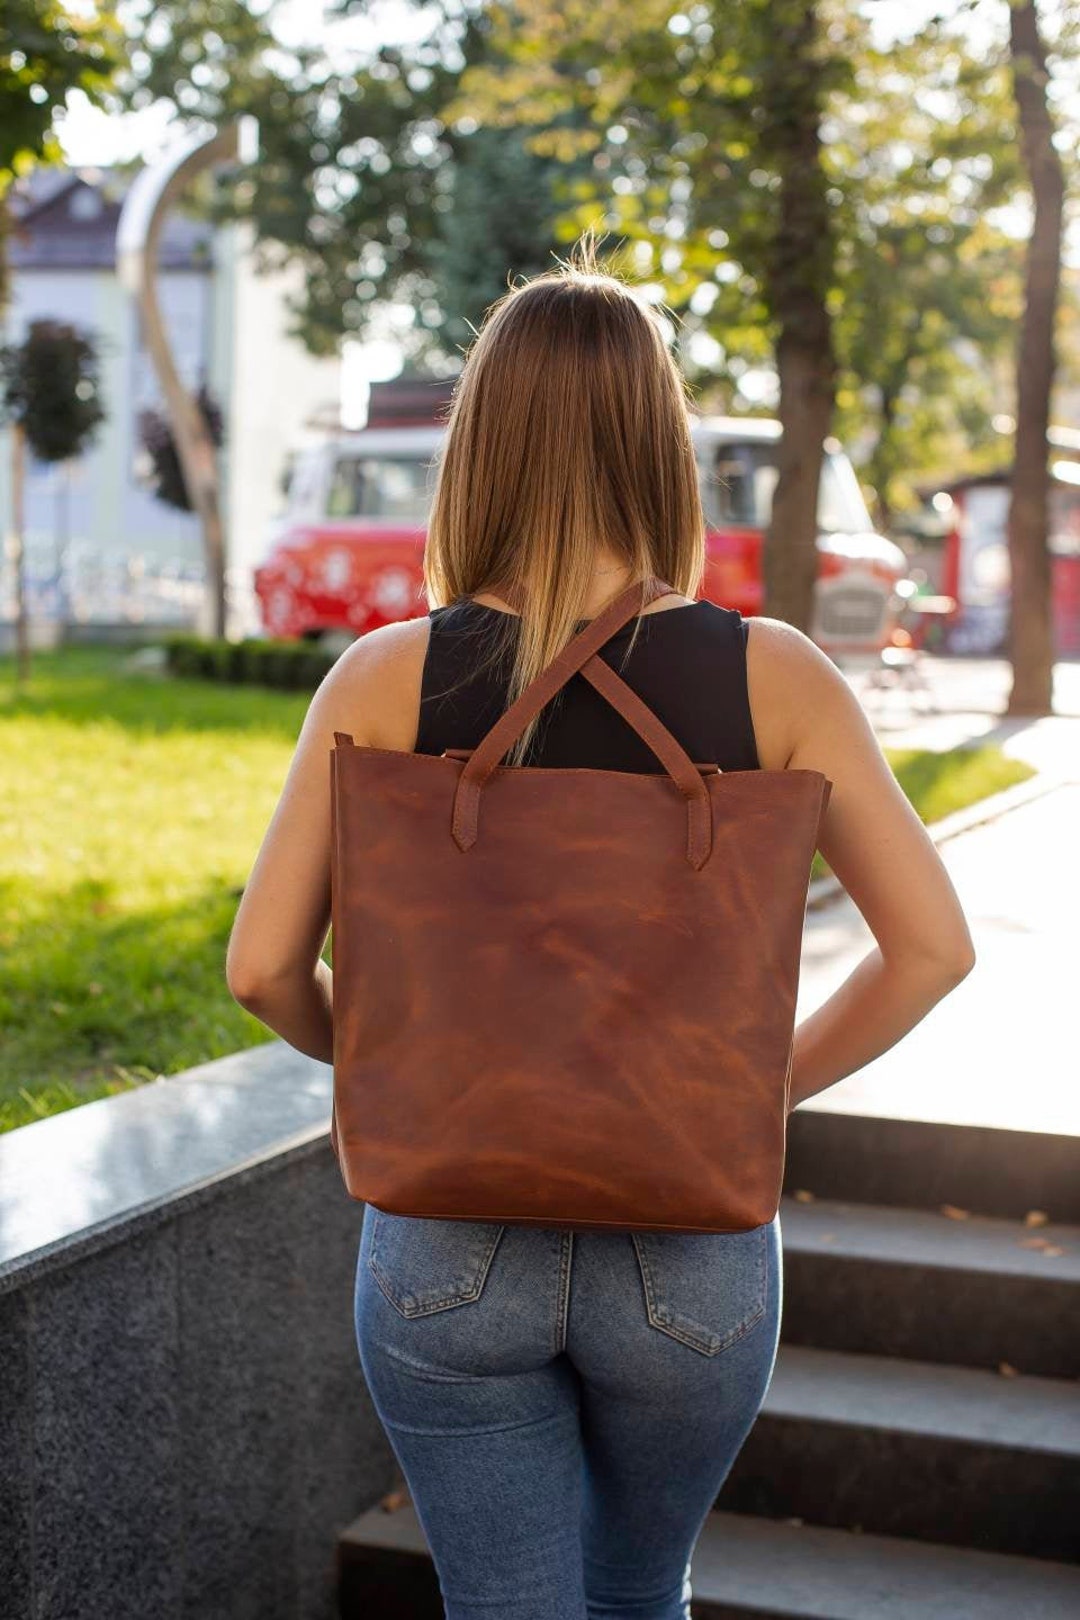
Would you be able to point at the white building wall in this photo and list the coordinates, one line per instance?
(277, 386)
(92, 512)
(228, 325)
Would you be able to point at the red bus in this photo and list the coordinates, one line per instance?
(346, 554)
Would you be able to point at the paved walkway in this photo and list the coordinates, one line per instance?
(1004, 1047)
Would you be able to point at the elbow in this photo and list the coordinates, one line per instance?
(937, 970)
(955, 967)
(246, 984)
(260, 982)
(245, 992)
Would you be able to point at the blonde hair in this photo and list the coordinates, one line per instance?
(569, 425)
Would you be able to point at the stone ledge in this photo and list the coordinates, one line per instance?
(104, 1171)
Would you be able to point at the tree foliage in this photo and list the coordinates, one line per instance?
(928, 286)
(685, 130)
(361, 179)
(49, 51)
(704, 129)
(50, 387)
(422, 175)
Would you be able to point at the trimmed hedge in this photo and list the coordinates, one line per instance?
(256, 661)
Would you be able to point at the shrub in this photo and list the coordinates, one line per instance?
(289, 666)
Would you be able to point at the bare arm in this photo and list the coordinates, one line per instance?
(878, 848)
(273, 966)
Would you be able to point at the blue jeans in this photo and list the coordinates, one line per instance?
(564, 1405)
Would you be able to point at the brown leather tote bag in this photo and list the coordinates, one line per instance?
(566, 997)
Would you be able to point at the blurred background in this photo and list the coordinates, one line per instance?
(410, 159)
(244, 248)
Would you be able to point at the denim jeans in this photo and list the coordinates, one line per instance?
(564, 1405)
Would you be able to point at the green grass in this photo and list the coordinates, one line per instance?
(132, 810)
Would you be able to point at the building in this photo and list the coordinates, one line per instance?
(100, 548)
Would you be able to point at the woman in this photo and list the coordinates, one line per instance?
(566, 1405)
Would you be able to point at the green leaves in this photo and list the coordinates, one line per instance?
(49, 51)
(49, 385)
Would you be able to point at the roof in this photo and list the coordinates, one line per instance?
(412, 438)
(66, 219)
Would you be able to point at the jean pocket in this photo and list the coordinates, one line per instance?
(424, 1265)
(705, 1288)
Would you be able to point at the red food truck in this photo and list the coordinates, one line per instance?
(346, 554)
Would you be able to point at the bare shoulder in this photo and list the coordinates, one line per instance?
(795, 689)
(373, 689)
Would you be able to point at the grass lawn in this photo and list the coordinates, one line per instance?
(133, 808)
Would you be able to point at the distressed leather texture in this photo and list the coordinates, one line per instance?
(566, 997)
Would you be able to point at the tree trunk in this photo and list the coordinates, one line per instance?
(800, 274)
(882, 460)
(18, 543)
(18, 491)
(1031, 647)
(806, 408)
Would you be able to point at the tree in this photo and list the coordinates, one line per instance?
(361, 178)
(704, 133)
(779, 174)
(929, 283)
(50, 394)
(1030, 622)
(799, 269)
(51, 51)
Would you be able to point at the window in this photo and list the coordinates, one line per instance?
(738, 490)
(380, 487)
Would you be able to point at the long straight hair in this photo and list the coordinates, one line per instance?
(569, 425)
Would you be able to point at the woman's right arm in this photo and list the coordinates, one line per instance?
(807, 716)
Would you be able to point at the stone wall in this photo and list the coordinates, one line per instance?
(184, 1425)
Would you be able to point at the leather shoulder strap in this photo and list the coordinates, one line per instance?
(580, 653)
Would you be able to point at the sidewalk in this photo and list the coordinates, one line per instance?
(972, 694)
(1050, 744)
(1002, 1048)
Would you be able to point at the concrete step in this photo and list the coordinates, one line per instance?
(976, 1291)
(908, 1448)
(753, 1567)
(921, 1164)
(779, 1571)
(385, 1570)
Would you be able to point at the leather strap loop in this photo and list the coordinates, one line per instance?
(580, 654)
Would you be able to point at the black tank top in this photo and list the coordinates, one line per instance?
(688, 664)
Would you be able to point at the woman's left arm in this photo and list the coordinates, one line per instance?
(274, 965)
